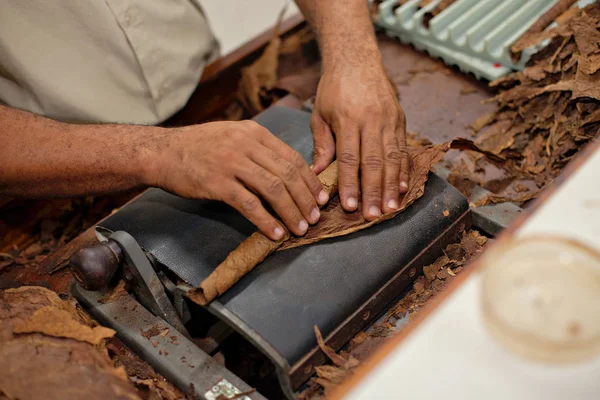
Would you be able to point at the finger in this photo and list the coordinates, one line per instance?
(251, 207)
(324, 150)
(404, 175)
(295, 185)
(348, 157)
(391, 171)
(272, 189)
(270, 141)
(371, 167)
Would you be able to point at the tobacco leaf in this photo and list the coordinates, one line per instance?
(535, 72)
(52, 321)
(328, 351)
(464, 184)
(495, 138)
(589, 64)
(259, 76)
(495, 198)
(115, 294)
(545, 114)
(335, 221)
(413, 139)
(586, 34)
(483, 121)
(50, 367)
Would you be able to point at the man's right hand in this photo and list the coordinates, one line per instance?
(238, 162)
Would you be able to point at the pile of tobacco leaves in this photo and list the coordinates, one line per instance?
(435, 279)
(546, 114)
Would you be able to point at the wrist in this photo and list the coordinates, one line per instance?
(151, 155)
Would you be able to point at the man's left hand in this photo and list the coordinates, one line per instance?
(358, 117)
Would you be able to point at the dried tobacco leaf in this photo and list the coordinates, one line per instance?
(483, 121)
(52, 321)
(548, 112)
(115, 294)
(50, 367)
(329, 352)
(494, 198)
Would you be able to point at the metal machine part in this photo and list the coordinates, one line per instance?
(129, 320)
(96, 266)
(171, 354)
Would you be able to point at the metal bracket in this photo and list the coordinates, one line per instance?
(145, 282)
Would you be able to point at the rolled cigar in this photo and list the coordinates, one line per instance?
(250, 253)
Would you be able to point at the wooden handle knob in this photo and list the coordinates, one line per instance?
(94, 267)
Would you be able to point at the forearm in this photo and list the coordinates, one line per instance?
(344, 32)
(40, 157)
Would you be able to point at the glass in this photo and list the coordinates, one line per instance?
(541, 298)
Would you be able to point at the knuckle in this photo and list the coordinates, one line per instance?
(349, 187)
(403, 152)
(276, 186)
(297, 159)
(374, 112)
(372, 161)
(289, 171)
(235, 135)
(319, 151)
(350, 115)
(392, 185)
(348, 158)
(373, 192)
(393, 156)
(248, 204)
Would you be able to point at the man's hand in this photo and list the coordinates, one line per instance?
(357, 117)
(359, 107)
(238, 162)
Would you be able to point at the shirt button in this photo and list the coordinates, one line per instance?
(130, 16)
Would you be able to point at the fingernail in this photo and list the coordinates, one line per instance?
(374, 211)
(404, 185)
(303, 227)
(278, 232)
(323, 197)
(312, 166)
(315, 215)
(351, 203)
(393, 204)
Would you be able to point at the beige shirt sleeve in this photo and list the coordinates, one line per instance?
(124, 61)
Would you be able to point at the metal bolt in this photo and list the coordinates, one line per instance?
(127, 276)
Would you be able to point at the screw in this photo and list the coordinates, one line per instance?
(412, 272)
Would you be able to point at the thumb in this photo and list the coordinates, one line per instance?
(323, 143)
